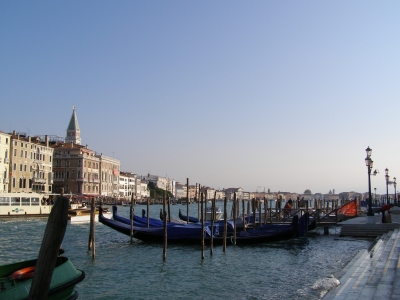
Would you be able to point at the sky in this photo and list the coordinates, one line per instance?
(281, 95)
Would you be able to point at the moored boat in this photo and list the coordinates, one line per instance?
(25, 204)
(62, 286)
(82, 215)
(192, 233)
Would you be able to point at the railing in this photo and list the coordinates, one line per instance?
(39, 180)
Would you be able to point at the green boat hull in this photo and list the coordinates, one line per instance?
(62, 286)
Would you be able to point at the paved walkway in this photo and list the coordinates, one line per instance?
(373, 274)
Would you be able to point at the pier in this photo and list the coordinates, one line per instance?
(374, 273)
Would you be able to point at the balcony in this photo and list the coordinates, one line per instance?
(96, 180)
(81, 179)
(6, 160)
(38, 180)
(58, 179)
(5, 180)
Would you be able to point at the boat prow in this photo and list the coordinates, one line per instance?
(62, 286)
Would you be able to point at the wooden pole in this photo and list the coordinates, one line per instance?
(165, 229)
(169, 209)
(187, 200)
(205, 206)
(212, 224)
(265, 210)
(52, 239)
(131, 215)
(234, 218)
(148, 220)
(202, 228)
(198, 205)
(225, 226)
(244, 216)
(253, 213)
(92, 216)
(91, 230)
(259, 213)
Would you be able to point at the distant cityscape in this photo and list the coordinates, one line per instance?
(52, 164)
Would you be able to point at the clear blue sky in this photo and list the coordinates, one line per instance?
(284, 95)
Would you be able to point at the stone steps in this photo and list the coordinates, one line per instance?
(367, 230)
(372, 275)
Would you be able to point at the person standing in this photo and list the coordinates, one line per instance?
(387, 208)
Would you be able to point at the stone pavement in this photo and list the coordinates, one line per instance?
(373, 274)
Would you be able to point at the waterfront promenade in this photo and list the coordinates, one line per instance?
(373, 273)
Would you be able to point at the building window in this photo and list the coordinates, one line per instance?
(15, 152)
(20, 167)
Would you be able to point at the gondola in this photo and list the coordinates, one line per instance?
(192, 233)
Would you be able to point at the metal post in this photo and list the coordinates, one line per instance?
(370, 211)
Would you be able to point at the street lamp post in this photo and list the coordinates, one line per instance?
(395, 194)
(375, 196)
(369, 163)
(387, 184)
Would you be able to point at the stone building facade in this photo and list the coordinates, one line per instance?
(5, 144)
(30, 164)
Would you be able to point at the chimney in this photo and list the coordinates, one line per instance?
(46, 140)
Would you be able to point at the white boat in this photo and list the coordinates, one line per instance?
(82, 215)
(218, 213)
(25, 204)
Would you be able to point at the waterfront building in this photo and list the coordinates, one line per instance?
(220, 195)
(76, 169)
(126, 184)
(208, 192)
(193, 191)
(30, 167)
(180, 190)
(229, 193)
(5, 150)
(163, 183)
(142, 190)
(109, 170)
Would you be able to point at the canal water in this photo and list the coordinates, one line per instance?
(294, 269)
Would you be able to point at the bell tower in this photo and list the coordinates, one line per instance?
(73, 132)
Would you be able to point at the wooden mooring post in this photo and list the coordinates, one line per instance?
(234, 218)
(265, 210)
(244, 216)
(165, 229)
(91, 244)
(212, 224)
(131, 216)
(202, 227)
(147, 213)
(187, 200)
(198, 204)
(52, 239)
(225, 226)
